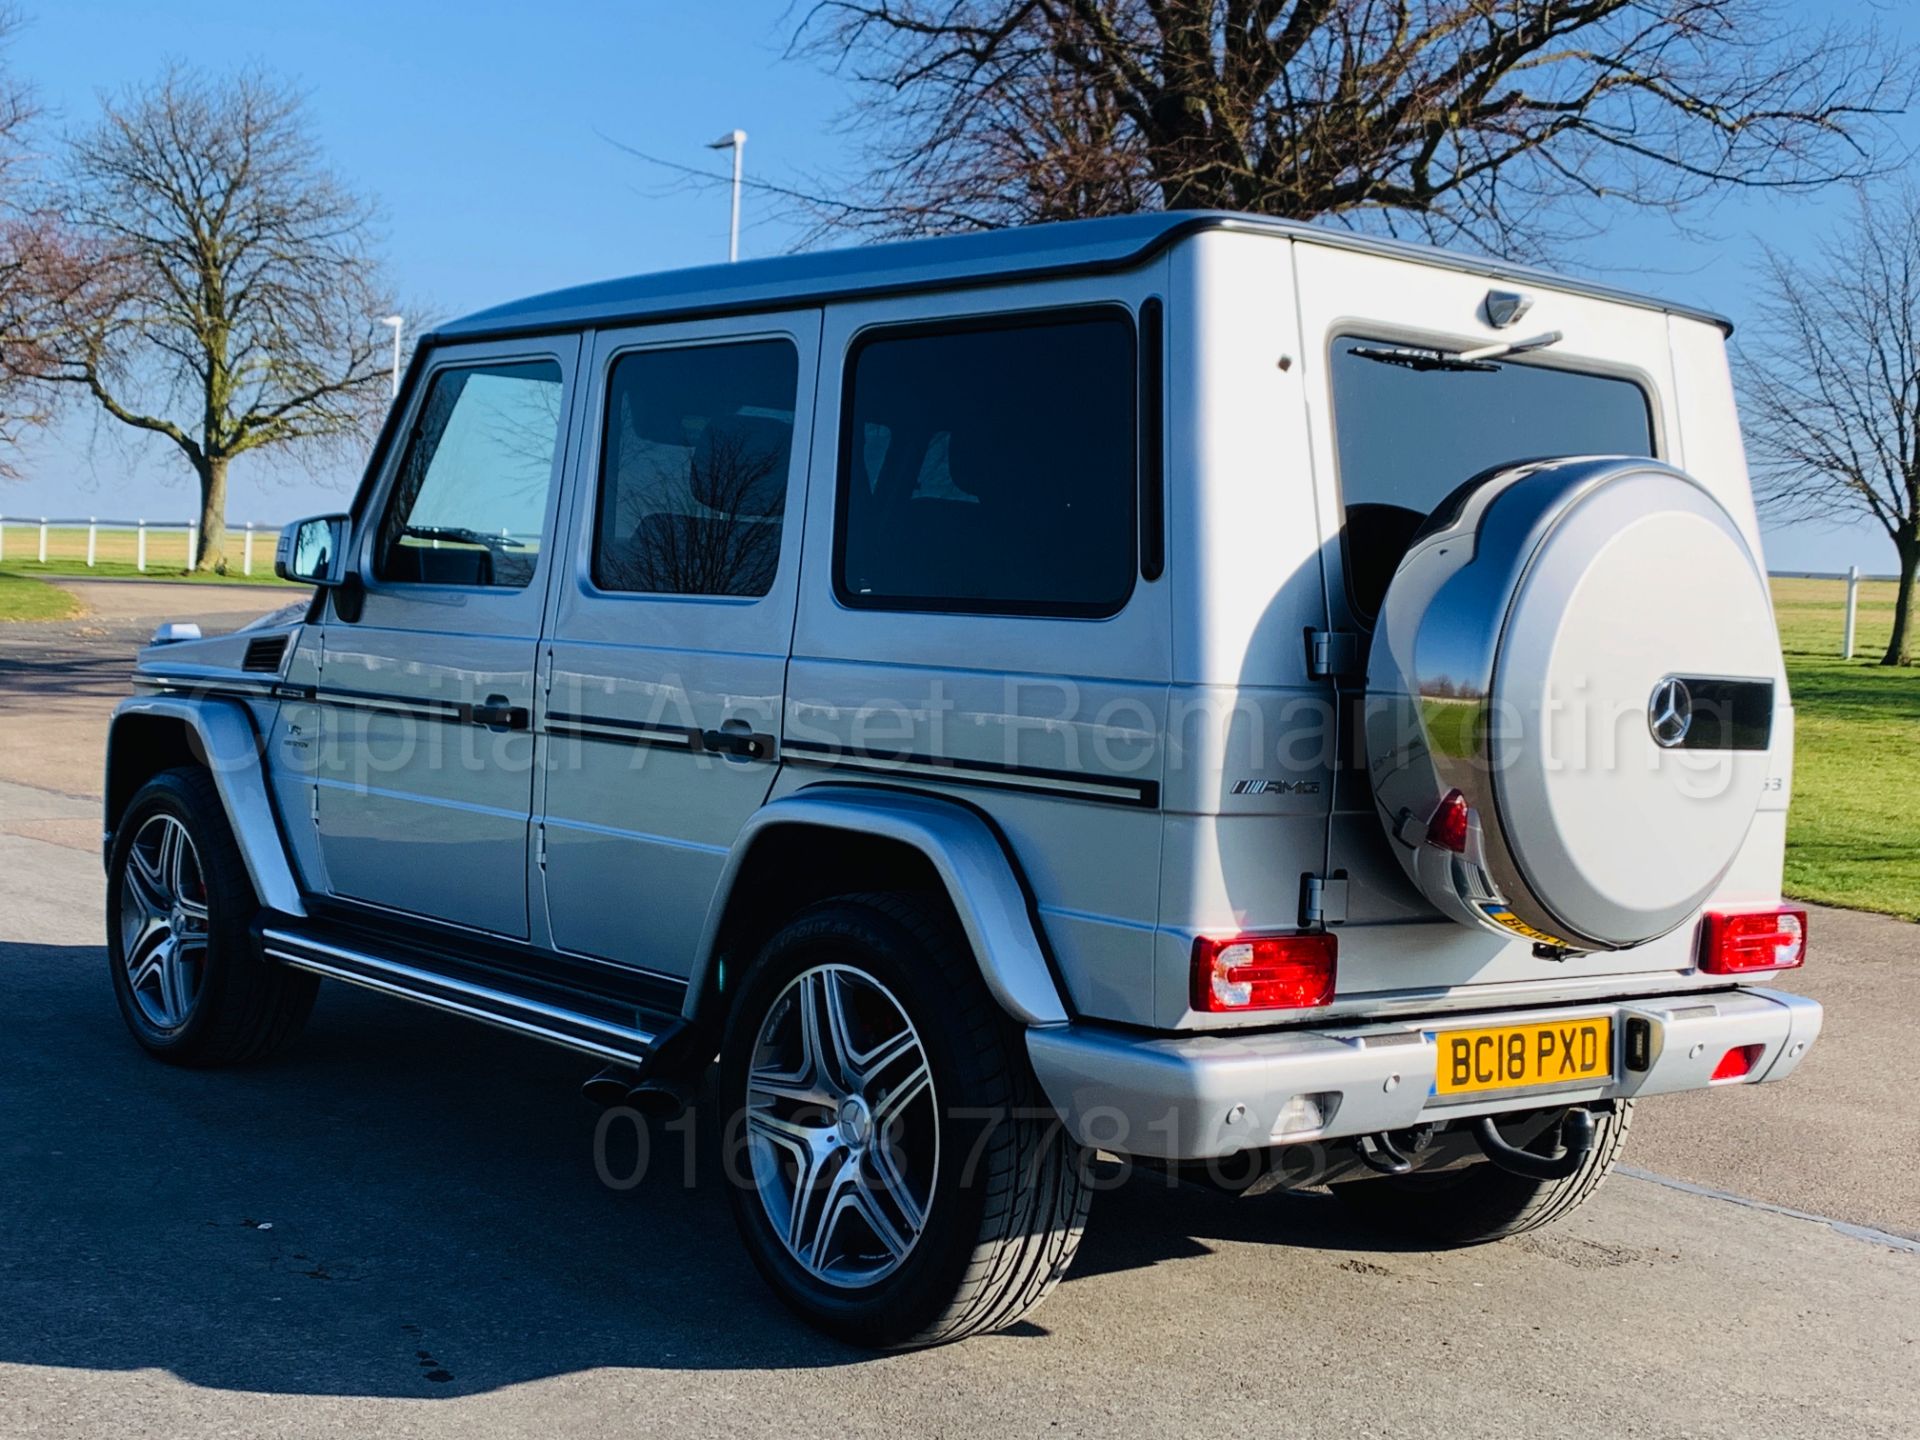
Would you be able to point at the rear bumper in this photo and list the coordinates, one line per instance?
(1197, 1097)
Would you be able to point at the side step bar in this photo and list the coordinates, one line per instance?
(602, 1037)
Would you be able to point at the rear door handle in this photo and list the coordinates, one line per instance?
(497, 714)
(737, 742)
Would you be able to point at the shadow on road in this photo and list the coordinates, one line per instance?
(403, 1205)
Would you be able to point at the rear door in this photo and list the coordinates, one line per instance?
(425, 780)
(667, 654)
(1392, 439)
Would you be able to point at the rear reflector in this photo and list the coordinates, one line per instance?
(1263, 972)
(1448, 827)
(1743, 941)
(1737, 1062)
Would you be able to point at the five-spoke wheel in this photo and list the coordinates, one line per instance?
(189, 977)
(163, 921)
(902, 1180)
(842, 1125)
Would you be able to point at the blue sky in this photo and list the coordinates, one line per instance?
(480, 128)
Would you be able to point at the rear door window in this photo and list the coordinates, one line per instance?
(1408, 436)
(693, 477)
(990, 467)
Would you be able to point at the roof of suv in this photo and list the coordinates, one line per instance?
(989, 257)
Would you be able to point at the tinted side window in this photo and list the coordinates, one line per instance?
(470, 504)
(991, 468)
(1407, 438)
(693, 473)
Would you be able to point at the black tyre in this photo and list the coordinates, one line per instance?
(191, 983)
(896, 1174)
(1482, 1202)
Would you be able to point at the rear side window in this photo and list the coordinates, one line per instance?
(1408, 437)
(991, 467)
(693, 473)
(469, 506)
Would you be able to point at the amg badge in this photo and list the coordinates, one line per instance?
(1276, 787)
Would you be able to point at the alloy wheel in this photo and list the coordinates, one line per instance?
(842, 1126)
(163, 922)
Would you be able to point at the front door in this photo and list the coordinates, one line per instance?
(424, 789)
(671, 628)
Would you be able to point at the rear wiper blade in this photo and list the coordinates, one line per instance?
(1422, 357)
(1416, 357)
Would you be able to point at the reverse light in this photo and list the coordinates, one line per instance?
(1448, 827)
(1263, 972)
(1737, 1062)
(1743, 941)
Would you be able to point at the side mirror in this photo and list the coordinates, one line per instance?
(313, 551)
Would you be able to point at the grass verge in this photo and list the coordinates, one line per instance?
(1853, 837)
(24, 598)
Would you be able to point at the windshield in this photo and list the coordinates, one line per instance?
(1407, 436)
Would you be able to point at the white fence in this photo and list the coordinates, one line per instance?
(1853, 577)
(145, 544)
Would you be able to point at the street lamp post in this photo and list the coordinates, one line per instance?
(396, 321)
(736, 140)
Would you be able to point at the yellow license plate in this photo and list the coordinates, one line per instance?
(1522, 1057)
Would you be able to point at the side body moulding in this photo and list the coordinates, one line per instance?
(965, 854)
(220, 735)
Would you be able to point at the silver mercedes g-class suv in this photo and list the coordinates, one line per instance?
(1287, 708)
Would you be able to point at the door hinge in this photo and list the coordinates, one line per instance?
(540, 845)
(546, 671)
(1323, 900)
(313, 803)
(1332, 653)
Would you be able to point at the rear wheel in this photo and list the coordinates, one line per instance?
(191, 984)
(896, 1174)
(1483, 1203)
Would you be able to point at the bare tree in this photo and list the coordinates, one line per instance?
(239, 300)
(1497, 122)
(47, 278)
(40, 272)
(1832, 380)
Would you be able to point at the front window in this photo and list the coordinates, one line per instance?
(1408, 436)
(470, 504)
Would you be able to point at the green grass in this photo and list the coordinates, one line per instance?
(1853, 834)
(116, 554)
(22, 598)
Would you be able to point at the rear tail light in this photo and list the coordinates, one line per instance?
(1263, 972)
(1737, 1062)
(1743, 941)
(1448, 827)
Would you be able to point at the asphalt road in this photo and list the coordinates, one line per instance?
(398, 1228)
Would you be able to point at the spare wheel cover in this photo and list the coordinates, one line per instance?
(1586, 651)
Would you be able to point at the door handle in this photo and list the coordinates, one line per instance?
(736, 742)
(497, 714)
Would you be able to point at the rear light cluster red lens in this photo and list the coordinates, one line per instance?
(1263, 972)
(1448, 827)
(1743, 941)
(1737, 1062)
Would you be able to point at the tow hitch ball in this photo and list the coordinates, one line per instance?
(1576, 1141)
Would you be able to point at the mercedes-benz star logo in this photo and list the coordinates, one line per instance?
(1670, 713)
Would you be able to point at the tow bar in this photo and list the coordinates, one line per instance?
(1576, 1141)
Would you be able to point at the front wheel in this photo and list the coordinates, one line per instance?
(1482, 1202)
(896, 1174)
(192, 985)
